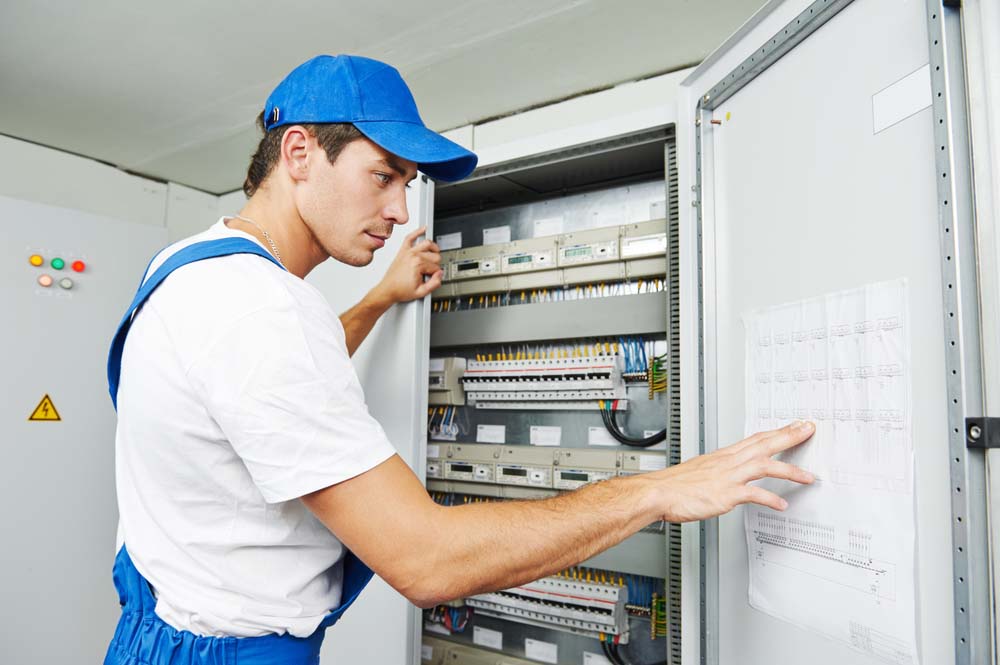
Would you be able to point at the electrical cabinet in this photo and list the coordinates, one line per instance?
(806, 150)
(66, 278)
(563, 331)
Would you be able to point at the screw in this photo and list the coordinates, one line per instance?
(706, 98)
(975, 432)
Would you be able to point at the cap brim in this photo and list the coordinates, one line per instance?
(438, 157)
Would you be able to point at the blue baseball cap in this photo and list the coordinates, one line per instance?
(373, 97)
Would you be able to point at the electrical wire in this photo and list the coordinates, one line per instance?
(608, 416)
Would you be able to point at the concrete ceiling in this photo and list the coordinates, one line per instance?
(171, 89)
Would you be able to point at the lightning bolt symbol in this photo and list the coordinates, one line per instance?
(45, 409)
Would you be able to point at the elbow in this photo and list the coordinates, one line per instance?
(430, 591)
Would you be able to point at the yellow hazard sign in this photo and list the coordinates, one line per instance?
(45, 410)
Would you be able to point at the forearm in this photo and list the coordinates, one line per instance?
(498, 545)
(359, 320)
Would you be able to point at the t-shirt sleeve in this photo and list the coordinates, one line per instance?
(282, 388)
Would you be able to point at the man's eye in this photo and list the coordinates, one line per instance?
(384, 178)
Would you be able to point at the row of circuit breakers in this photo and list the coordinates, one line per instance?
(570, 383)
(492, 470)
(608, 254)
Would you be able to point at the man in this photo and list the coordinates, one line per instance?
(252, 482)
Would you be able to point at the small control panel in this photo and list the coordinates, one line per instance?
(54, 273)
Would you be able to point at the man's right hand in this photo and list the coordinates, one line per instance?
(712, 484)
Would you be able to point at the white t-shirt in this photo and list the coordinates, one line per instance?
(237, 397)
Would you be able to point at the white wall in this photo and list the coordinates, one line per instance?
(34, 173)
(189, 211)
(43, 175)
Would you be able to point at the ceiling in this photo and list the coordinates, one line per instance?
(171, 89)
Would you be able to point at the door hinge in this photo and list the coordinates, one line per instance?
(982, 432)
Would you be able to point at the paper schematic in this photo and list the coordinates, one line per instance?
(840, 560)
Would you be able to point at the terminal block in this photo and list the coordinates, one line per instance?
(545, 383)
(583, 607)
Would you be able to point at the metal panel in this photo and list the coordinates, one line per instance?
(640, 314)
(981, 35)
(383, 627)
(963, 346)
(57, 480)
(889, 48)
(675, 568)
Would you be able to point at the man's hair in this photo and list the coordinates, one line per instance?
(332, 136)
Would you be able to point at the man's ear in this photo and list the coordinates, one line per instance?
(295, 146)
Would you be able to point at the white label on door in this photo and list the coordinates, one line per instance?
(546, 652)
(899, 101)
(541, 435)
(652, 462)
(599, 436)
(449, 241)
(426, 652)
(491, 434)
(485, 637)
(436, 628)
(497, 234)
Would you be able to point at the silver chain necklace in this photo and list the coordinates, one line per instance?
(267, 236)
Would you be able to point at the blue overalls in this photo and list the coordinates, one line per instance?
(141, 637)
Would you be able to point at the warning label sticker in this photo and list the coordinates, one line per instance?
(45, 410)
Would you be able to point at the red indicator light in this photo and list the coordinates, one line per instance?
(79, 266)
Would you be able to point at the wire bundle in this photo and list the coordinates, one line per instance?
(656, 375)
(658, 617)
(634, 354)
(441, 421)
(455, 619)
(608, 416)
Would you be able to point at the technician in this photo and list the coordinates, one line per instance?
(253, 485)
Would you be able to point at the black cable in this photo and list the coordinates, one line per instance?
(608, 416)
(606, 648)
(617, 656)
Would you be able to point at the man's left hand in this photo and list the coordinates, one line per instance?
(417, 259)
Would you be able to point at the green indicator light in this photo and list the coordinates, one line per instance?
(58, 264)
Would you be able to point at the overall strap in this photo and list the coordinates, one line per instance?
(199, 251)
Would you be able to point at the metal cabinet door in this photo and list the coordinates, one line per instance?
(383, 627)
(824, 149)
